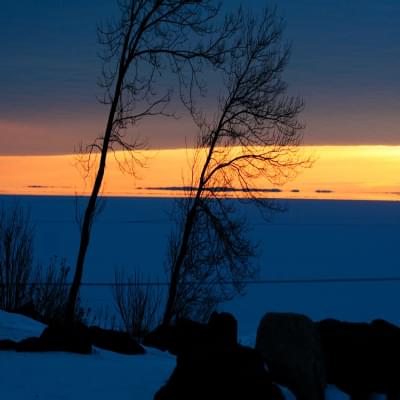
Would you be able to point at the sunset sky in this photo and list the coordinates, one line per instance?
(345, 64)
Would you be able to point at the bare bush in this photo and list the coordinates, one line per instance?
(138, 303)
(16, 257)
(49, 292)
(40, 291)
(49, 289)
(103, 317)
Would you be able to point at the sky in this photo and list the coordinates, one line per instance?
(339, 172)
(345, 62)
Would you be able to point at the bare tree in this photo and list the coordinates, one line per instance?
(217, 256)
(252, 138)
(150, 38)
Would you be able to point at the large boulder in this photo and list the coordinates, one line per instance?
(235, 374)
(181, 337)
(212, 365)
(223, 328)
(362, 358)
(178, 338)
(290, 345)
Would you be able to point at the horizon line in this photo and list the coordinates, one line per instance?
(177, 148)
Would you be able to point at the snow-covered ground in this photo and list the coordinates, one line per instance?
(313, 239)
(64, 376)
(102, 376)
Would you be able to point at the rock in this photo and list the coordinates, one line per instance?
(119, 342)
(290, 345)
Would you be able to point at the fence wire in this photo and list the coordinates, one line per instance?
(246, 282)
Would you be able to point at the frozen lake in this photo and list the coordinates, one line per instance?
(312, 240)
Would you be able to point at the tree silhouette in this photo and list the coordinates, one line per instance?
(150, 40)
(252, 137)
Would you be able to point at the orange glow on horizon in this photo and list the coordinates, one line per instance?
(339, 172)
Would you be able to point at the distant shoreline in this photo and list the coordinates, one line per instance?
(324, 196)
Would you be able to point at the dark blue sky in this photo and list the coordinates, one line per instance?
(345, 64)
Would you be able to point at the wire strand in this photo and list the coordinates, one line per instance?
(246, 282)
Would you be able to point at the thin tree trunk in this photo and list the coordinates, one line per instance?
(90, 210)
(190, 220)
(176, 269)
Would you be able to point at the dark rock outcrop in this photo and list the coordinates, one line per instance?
(290, 345)
(30, 344)
(178, 338)
(8, 344)
(76, 339)
(119, 342)
(212, 365)
(362, 358)
(59, 338)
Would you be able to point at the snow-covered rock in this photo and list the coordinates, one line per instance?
(18, 327)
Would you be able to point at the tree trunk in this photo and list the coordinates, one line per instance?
(190, 220)
(176, 269)
(90, 210)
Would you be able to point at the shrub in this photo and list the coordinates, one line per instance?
(16, 257)
(38, 291)
(138, 303)
(49, 293)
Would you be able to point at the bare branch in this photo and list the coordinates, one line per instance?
(252, 137)
(151, 40)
